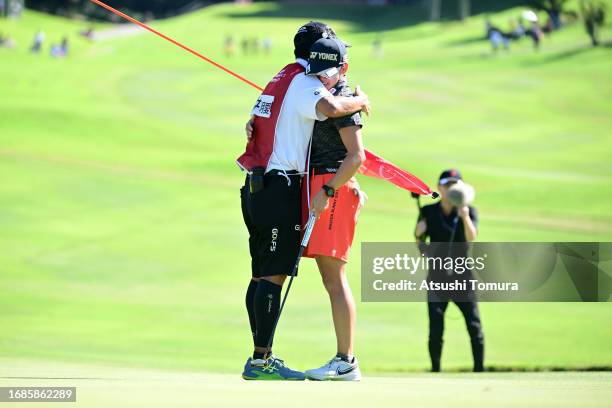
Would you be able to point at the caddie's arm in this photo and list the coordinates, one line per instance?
(339, 106)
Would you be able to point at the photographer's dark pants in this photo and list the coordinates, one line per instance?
(436, 331)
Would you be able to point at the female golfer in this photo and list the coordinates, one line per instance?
(333, 193)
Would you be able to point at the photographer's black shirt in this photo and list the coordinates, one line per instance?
(440, 232)
(440, 225)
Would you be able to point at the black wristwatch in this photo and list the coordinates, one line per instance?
(329, 191)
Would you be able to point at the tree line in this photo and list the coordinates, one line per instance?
(593, 12)
(151, 8)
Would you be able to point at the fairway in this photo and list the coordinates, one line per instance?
(121, 232)
(101, 386)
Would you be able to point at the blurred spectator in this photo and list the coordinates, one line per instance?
(39, 39)
(496, 37)
(60, 50)
(267, 45)
(64, 46)
(13, 8)
(548, 27)
(2, 8)
(377, 50)
(554, 19)
(255, 45)
(228, 46)
(9, 43)
(88, 33)
(534, 31)
(536, 34)
(6, 42)
(594, 15)
(517, 29)
(56, 51)
(244, 45)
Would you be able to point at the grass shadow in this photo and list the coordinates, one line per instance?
(466, 41)
(366, 19)
(570, 53)
(361, 18)
(504, 369)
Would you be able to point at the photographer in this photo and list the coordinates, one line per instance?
(450, 220)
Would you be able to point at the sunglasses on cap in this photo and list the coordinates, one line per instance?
(329, 73)
(448, 181)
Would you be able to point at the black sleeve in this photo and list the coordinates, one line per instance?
(348, 121)
(474, 216)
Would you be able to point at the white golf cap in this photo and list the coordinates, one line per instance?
(530, 16)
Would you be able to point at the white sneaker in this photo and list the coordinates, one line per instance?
(336, 370)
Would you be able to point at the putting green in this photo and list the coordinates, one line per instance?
(102, 386)
(121, 236)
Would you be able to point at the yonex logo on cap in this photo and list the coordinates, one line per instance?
(323, 56)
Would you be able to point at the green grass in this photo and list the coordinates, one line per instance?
(121, 236)
(103, 386)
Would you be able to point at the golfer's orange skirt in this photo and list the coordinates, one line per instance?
(334, 231)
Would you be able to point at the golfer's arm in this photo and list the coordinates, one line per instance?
(339, 106)
(355, 157)
(470, 229)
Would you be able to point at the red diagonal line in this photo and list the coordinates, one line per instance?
(165, 37)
